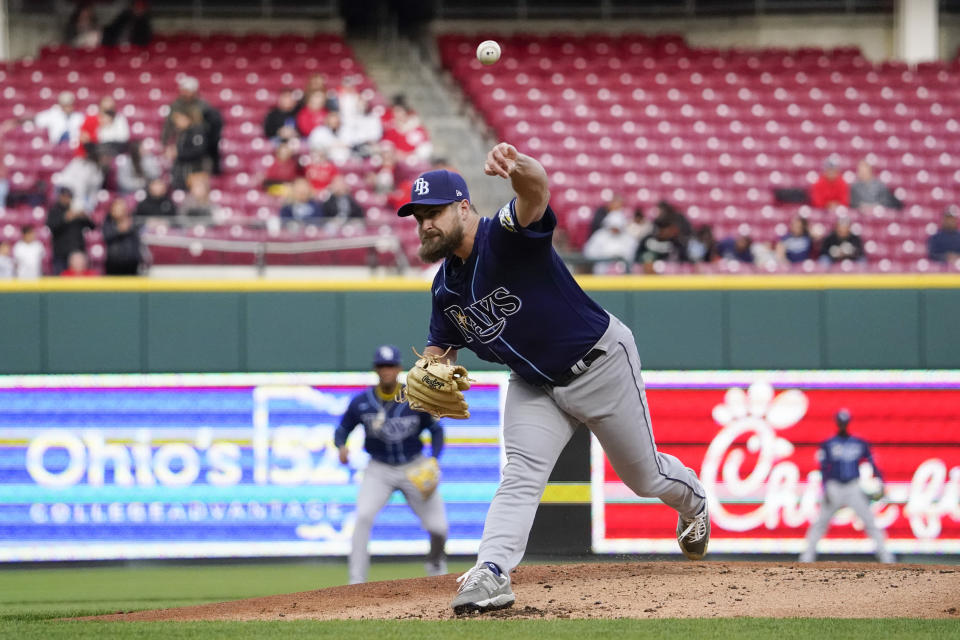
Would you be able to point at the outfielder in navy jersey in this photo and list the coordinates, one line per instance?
(392, 438)
(503, 293)
(840, 459)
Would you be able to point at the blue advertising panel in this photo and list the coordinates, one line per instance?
(213, 465)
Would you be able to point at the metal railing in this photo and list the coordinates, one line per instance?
(261, 249)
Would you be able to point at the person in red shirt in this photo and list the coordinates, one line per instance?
(406, 133)
(830, 190)
(284, 170)
(312, 114)
(77, 266)
(320, 171)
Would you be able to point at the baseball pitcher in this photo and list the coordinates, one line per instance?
(503, 292)
(840, 458)
(392, 438)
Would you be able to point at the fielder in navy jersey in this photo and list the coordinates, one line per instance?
(392, 438)
(840, 458)
(503, 292)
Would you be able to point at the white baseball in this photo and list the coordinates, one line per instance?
(488, 52)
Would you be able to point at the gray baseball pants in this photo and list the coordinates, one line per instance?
(379, 482)
(610, 399)
(837, 495)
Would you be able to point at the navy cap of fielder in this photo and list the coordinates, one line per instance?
(386, 356)
(433, 188)
(843, 416)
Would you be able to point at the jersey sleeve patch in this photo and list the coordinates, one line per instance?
(506, 218)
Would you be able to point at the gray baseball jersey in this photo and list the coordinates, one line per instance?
(514, 301)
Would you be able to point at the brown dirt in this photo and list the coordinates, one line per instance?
(627, 590)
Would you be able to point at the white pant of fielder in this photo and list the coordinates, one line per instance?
(610, 399)
(379, 482)
(837, 495)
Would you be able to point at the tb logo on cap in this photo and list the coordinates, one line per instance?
(421, 187)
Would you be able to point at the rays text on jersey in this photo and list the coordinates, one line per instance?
(485, 319)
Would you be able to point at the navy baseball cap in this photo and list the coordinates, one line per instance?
(435, 187)
(386, 356)
(843, 416)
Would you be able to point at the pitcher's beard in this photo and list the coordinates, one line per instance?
(439, 247)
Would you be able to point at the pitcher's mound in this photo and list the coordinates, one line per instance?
(627, 590)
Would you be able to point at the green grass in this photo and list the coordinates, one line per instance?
(59, 592)
(726, 629)
(32, 599)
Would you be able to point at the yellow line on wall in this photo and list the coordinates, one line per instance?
(567, 493)
(591, 283)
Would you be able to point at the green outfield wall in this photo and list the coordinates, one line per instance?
(696, 322)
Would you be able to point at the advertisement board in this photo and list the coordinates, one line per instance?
(213, 465)
(753, 437)
(243, 465)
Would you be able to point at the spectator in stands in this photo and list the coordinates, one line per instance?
(6, 262)
(671, 214)
(78, 266)
(341, 205)
(67, 224)
(157, 204)
(83, 176)
(739, 247)
(363, 131)
(664, 244)
(320, 171)
(130, 26)
(28, 254)
(611, 243)
(702, 246)
(211, 119)
(382, 177)
(302, 206)
(867, 190)
(284, 170)
(61, 121)
(106, 128)
(796, 245)
(329, 138)
(639, 227)
(280, 124)
(122, 239)
(830, 190)
(615, 204)
(82, 29)
(841, 244)
(312, 114)
(136, 168)
(197, 202)
(191, 151)
(316, 83)
(408, 136)
(349, 102)
(944, 245)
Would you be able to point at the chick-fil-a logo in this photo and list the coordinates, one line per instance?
(759, 415)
